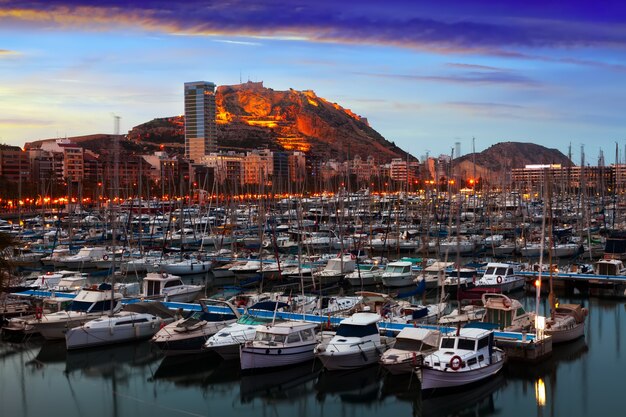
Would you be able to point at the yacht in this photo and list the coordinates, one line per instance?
(365, 274)
(500, 276)
(398, 274)
(88, 304)
(356, 344)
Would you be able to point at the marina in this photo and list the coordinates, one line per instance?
(137, 379)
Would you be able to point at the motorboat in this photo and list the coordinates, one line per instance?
(165, 286)
(279, 344)
(435, 273)
(188, 334)
(500, 276)
(19, 328)
(85, 258)
(138, 321)
(408, 351)
(398, 274)
(357, 343)
(71, 284)
(365, 274)
(228, 341)
(463, 358)
(189, 266)
(88, 304)
(335, 269)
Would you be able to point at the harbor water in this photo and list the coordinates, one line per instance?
(38, 378)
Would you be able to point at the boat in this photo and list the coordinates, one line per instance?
(187, 266)
(85, 258)
(71, 284)
(357, 343)
(189, 333)
(507, 313)
(398, 274)
(20, 328)
(412, 343)
(228, 341)
(566, 323)
(89, 303)
(365, 274)
(465, 358)
(335, 269)
(136, 322)
(434, 274)
(164, 286)
(500, 276)
(279, 344)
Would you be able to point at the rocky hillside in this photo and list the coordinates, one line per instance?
(250, 116)
(504, 156)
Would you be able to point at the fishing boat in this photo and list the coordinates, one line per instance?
(412, 343)
(335, 269)
(467, 357)
(566, 323)
(279, 344)
(356, 344)
(365, 274)
(507, 313)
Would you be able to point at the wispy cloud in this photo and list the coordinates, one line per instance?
(24, 122)
(245, 43)
(468, 78)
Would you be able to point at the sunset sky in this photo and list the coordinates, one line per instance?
(425, 74)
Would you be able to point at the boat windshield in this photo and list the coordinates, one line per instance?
(90, 307)
(408, 344)
(269, 337)
(351, 330)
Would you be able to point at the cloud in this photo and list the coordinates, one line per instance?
(398, 23)
(24, 122)
(468, 78)
(7, 53)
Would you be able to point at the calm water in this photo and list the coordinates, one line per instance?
(36, 379)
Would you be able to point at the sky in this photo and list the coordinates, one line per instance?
(426, 74)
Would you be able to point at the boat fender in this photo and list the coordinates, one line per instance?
(164, 274)
(506, 302)
(38, 312)
(267, 351)
(105, 257)
(499, 279)
(280, 351)
(455, 363)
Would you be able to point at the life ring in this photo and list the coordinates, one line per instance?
(164, 274)
(241, 303)
(352, 256)
(105, 257)
(499, 279)
(38, 312)
(456, 362)
(507, 302)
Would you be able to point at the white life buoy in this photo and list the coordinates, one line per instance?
(499, 279)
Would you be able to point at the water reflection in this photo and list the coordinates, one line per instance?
(289, 384)
(353, 386)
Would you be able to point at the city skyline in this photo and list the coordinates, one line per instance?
(426, 76)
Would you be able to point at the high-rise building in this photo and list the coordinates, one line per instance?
(200, 127)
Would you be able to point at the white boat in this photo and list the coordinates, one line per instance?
(50, 279)
(85, 258)
(398, 274)
(365, 274)
(412, 343)
(335, 270)
(228, 341)
(246, 270)
(460, 279)
(462, 359)
(280, 344)
(189, 334)
(500, 276)
(71, 284)
(136, 322)
(89, 303)
(18, 328)
(187, 266)
(357, 343)
(164, 286)
(566, 323)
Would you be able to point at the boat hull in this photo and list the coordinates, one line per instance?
(567, 335)
(337, 361)
(263, 357)
(83, 337)
(435, 378)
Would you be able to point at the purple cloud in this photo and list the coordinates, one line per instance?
(446, 25)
